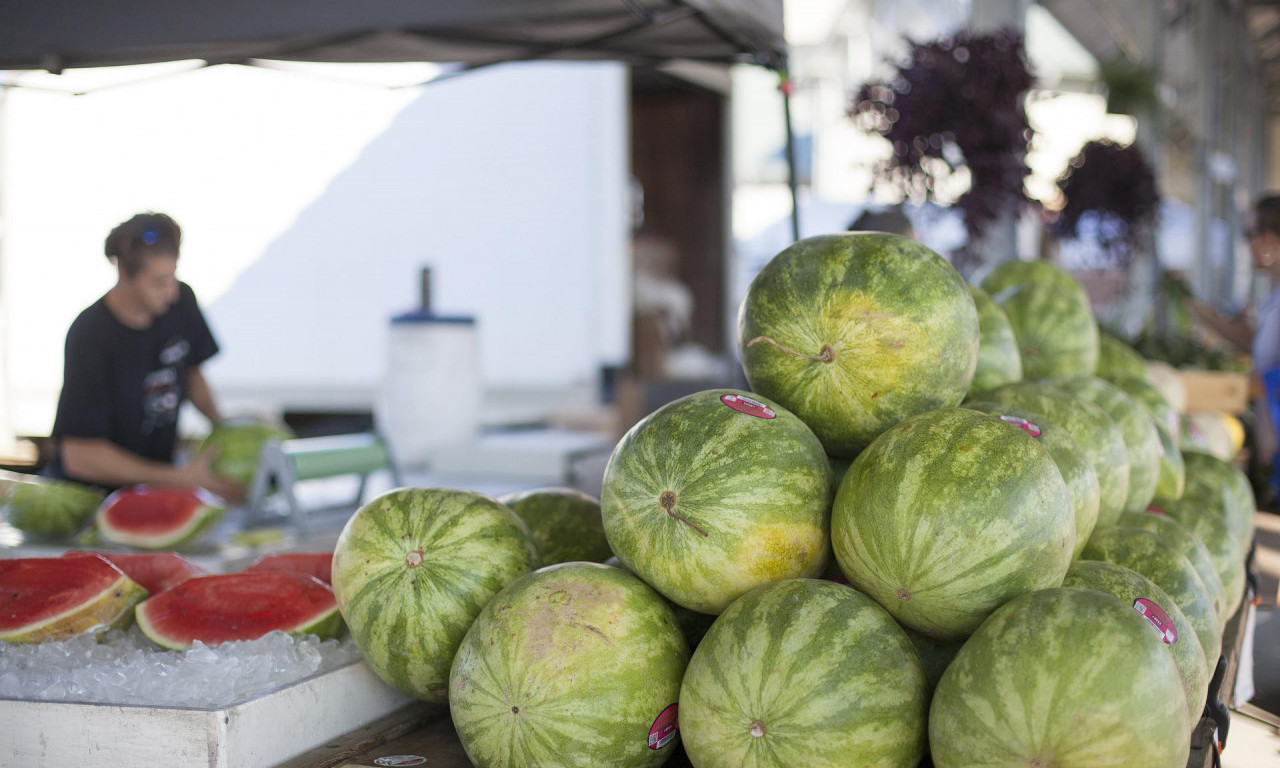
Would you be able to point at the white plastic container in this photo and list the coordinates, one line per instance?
(431, 390)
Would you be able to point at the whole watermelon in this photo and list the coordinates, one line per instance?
(1117, 360)
(238, 445)
(1215, 532)
(1093, 430)
(715, 494)
(565, 523)
(1172, 475)
(411, 571)
(693, 625)
(1083, 490)
(1223, 490)
(1187, 544)
(1061, 678)
(1141, 440)
(49, 509)
(998, 359)
(1051, 317)
(855, 332)
(576, 665)
(804, 673)
(1164, 615)
(1150, 555)
(949, 515)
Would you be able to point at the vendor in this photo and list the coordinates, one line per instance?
(132, 358)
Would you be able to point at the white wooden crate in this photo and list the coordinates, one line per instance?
(257, 733)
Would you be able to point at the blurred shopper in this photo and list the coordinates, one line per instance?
(891, 220)
(132, 358)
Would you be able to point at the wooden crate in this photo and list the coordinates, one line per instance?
(1216, 391)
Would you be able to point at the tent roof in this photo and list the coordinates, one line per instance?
(59, 34)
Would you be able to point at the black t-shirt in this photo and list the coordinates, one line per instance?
(124, 384)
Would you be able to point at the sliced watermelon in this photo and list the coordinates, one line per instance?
(239, 606)
(155, 571)
(157, 518)
(52, 598)
(318, 564)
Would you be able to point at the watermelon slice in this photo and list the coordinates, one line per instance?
(156, 572)
(318, 564)
(239, 606)
(157, 518)
(52, 598)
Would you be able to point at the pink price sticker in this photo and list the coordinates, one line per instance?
(1153, 509)
(1022, 424)
(665, 728)
(1158, 618)
(749, 406)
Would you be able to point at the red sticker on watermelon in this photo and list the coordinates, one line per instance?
(744, 404)
(1158, 618)
(1022, 424)
(1153, 509)
(665, 728)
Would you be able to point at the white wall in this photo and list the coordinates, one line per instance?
(308, 207)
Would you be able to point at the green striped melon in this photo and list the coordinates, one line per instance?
(1093, 430)
(998, 359)
(1172, 475)
(804, 673)
(949, 515)
(1051, 317)
(857, 331)
(1150, 555)
(1164, 615)
(1224, 490)
(1141, 440)
(693, 625)
(573, 666)
(1215, 532)
(565, 523)
(1083, 490)
(1117, 360)
(1061, 678)
(411, 571)
(1187, 544)
(46, 508)
(715, 494)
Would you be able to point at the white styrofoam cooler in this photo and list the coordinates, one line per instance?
(257, 733)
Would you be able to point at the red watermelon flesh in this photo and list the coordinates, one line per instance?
(51, 598)
(157, 518)
(318, 564)
(239, 606)
(156, 572)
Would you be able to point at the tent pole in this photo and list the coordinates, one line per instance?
(785, 86)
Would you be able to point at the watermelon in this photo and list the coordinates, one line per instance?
(1215, 532)
(715, 494)
(1149, 554)
(857, 331)
(157, 518)
(1117, 360)
(1141, 440)
(153, 571)
(1093, 430)
(1164, 615)
(1051, 318)
(804, 673)
(238, 445)
(47, 508)
(1184, 542)
(1061, 678)
(693, 625)
(48, 598)
(1223, 490)
(935, 655)
(575, 665)
(947, 516)
(318, 564)
(411, 571)
(998, 359)
(239, 606)
(565, 523)
(1172, 475)
(1083, 490)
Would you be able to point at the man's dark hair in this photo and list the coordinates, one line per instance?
(891, 220)
(141, 237)
(1266, 215)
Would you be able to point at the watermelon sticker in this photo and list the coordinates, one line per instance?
(1153, 509)
(1022, 424)
(1158, 618)
(665, 728)
(744, 404)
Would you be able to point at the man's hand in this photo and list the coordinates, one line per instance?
(200, 473)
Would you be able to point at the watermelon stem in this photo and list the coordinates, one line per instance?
(668, 502)
(757, 729)
(826, 355)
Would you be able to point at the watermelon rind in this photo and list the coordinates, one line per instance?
(111, 607)
(565, 523)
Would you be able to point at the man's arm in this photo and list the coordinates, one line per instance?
(1237, 332)
(101, 461)
(202, 396)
